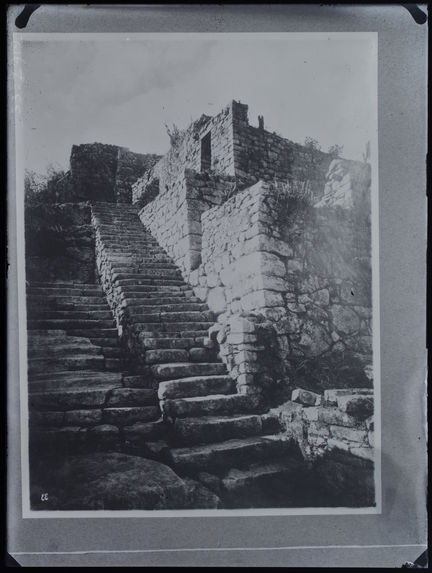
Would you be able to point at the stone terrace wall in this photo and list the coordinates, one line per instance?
(60, 243)
(341, 419)
(298, 277)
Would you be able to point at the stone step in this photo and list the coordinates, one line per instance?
(106, 342)
(185, 306)
(73, 379)
(131, 226)
(156, 298)
(57, 291)
(127, 416)
(173, 316)
(133, 290)
(139, 381)
(200, 354)
(188, 334)
(38, 338)
(174, 327)
(126, 263)
(112, 239)
(174, 371)
(56, 333)
(70, 399)
(77, 362)
(156, 261)
(94, 333)
(196, 386)
(237, 480)
(160, 356)
(212, 405)
(101, 397)
(56, 314)
(114, 364)
(70, 324)
(150, 280)
(57, 350)
(110, 352)
(88, 417)
(208, 429)
(65, 303)
(230, 453)
(66, 285)
(159, 296)
(165, 343)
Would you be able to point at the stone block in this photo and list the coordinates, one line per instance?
(332, 415)
(333, 443)
(306, 397)
(348, 434)
(216, 299)
(331, 396)
(240, 325)
(344, 319)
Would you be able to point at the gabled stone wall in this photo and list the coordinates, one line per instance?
(100, 172)
(186, 154)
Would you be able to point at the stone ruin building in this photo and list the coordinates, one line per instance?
(204, 319)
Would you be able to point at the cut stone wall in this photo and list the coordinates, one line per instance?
(60, 243)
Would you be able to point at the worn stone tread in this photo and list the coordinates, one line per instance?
(196, 386)
(234, 453)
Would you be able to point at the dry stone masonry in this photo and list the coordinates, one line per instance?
(230, 337)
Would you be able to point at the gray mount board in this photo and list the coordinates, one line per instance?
(396, 535)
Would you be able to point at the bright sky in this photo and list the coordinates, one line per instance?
(123, 91)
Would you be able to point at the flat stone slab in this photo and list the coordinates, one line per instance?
(217, 428)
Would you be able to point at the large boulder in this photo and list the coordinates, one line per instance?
(116, 481)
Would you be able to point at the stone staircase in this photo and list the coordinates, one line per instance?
(81, 393)
(213, 430)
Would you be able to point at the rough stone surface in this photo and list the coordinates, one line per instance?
(116, 481)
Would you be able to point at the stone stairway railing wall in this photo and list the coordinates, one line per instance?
(105, 263)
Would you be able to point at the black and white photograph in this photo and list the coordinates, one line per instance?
(198, 267)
